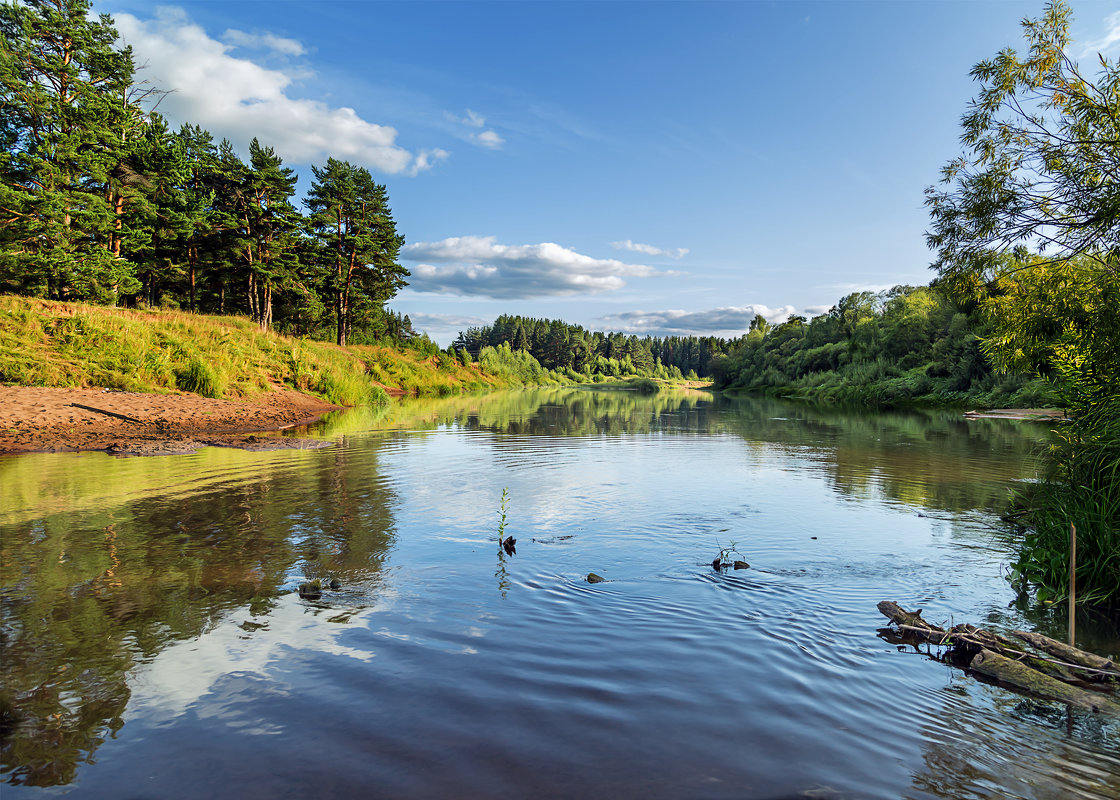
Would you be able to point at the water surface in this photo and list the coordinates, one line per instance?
(155, 646)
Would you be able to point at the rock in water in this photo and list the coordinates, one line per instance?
(311, 591)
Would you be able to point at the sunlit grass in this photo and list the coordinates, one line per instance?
(46, 343)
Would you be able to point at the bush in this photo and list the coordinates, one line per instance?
(199, 377)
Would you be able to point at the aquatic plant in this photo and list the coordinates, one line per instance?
(504, 542)
(1082, 488)
(724, 559)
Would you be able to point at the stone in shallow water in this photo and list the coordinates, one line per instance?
(311, 591)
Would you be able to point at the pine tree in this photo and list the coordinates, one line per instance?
(201, 230)
(358, 241)
(66, 118)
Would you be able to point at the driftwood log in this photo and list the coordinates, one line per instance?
(1052, 669)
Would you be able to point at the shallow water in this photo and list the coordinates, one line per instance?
(155, 646)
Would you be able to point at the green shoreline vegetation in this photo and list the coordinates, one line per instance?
(138, 257)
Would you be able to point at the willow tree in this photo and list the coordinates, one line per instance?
(1033, 206)
(1026, 227)
(358, 243)
(64, 128)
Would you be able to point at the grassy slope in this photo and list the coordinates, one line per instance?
(47, 343)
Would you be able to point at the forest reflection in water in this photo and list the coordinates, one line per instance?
(112, 566)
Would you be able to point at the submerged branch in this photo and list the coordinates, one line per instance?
(1065, 673)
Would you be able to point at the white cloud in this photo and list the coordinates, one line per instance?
(238, 99)
(849, 288)
(472, 119)
(263, 41)
(489, 139)
(479, 266)
(446, 321)
(426, 158)
(727, 321)
(649, 249)
(444, 328)
(1108, 40)
(815, 311)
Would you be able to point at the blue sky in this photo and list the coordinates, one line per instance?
(656, 168)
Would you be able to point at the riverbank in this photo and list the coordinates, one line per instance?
(57, 344)
(40, 419)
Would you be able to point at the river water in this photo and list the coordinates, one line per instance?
(155, 646)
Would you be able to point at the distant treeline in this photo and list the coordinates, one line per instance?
(569, 348)
(906, 346)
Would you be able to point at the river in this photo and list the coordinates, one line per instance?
(155, 644)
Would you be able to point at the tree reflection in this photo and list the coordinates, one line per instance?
(1030, 745)
(105, 562)
(934, 460)
(88, 595)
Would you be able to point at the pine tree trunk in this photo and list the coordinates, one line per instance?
(118, 224)
(266, 306)
(340, 299)
(192, 258)
(251, 296)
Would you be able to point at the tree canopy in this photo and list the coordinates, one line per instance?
(1026, 229)
(1026, 222)
(101, 201)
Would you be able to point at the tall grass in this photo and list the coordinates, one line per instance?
(1083, 489)
(44, 343)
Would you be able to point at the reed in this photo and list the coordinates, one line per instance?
(1082, 488)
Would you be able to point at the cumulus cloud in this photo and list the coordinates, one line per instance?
(443, 328)
(238, 99)
(727, 321)
(649, 249)
(479, 266)
(446, 321)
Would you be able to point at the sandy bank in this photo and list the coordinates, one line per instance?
(35, 419)
(1029, 414)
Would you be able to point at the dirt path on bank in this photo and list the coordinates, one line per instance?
(35, 419)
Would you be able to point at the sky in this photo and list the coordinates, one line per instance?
(656, 168)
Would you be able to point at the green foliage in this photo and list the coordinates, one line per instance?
(645, 386)
(199, 377)
(103, 203)
(907, 346)
(502, 515)
(66, 140)
(1041, 172)
(356, 243)
(572, 350)
(69, 344)
(518, 366)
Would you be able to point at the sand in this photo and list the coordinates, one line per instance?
(37, 419)
(1026, 414)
